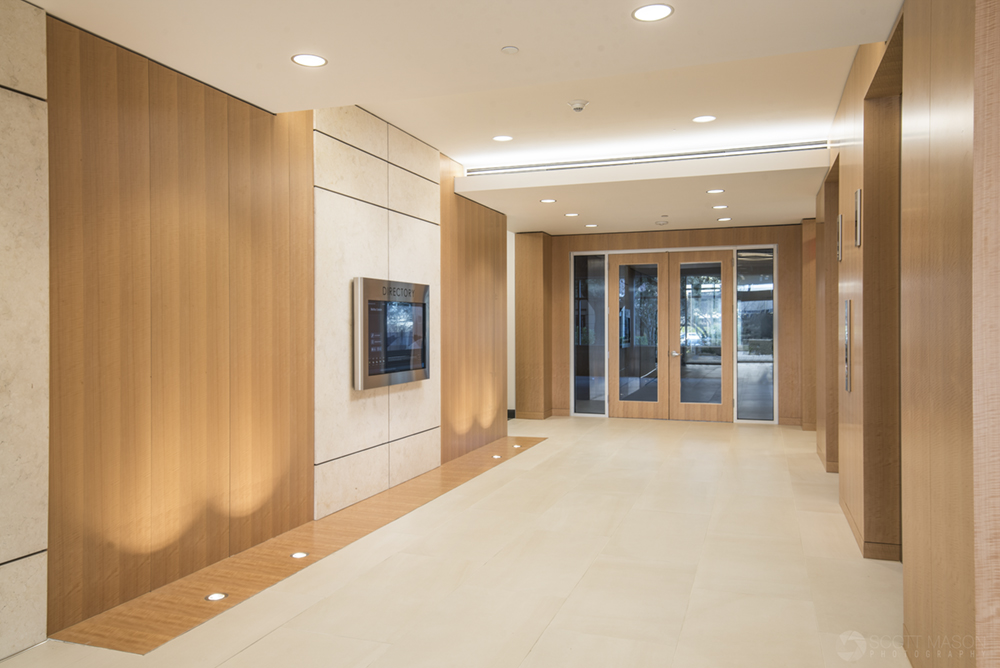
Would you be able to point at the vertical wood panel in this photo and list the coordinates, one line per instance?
(533, 325)
(99, 509)
(190, 316)
(809, 325)
(473, 305)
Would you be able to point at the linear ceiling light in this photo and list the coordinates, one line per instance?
(669, 157)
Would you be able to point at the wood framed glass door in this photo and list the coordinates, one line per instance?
(637, 319)
(700, 336)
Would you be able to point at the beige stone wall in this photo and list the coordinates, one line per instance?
(24, 326)
(378, 215)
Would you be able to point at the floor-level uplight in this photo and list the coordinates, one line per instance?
(216, 597)
(516, 445)
(309, 60)
(299, 555)
(496, 456)
(652, 12)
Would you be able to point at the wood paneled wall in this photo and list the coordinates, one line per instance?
(866, 151)
(809, 324)
(986, 324)
(789, 241)
(534, 326)
(828, 361)
(182, 331)
(936, 309)
(473, 320)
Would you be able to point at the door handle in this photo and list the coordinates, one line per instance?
(674, 353)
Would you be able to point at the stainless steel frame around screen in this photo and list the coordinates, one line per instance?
(375, 290)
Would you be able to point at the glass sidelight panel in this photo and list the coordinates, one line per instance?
(701, 332)
(637, 336)
(588, 334)
(755, 335)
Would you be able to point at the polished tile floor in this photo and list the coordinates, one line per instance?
(614, 543)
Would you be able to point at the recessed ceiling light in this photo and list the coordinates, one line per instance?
(720, 206)
(547, 201)
(502, 138)
(724, 220)
(299, 555)
(510, 50)
(715, 191)
(652, 12)
(703, 119)
(216, 597)
(572, 215)
(591, 225)
(661, 222)
(496, 456)
(309, 60)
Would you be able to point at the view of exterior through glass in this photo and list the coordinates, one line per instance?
(701, 333)
(589, 334)
(638, 311)
(755, 334)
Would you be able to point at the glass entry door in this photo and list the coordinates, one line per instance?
(637, 318)
(700, 336)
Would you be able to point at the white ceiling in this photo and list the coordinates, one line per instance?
(771, 71)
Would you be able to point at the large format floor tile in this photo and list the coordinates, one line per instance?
(627, 543)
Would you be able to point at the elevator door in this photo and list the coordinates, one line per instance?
(637, 318)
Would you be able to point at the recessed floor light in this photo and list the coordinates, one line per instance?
(720, 206)
(496, 456)
(516, 445)
(703, 119)
(652, 13)
(502, 138)
(591, 225)
(309, 60)
(216, 597)
(715, 191)
(547, 201)
(724, 220)
(510, 50)
(572, 215)
(299, 555)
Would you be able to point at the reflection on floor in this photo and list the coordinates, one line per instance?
(634, 543)
(589, 396)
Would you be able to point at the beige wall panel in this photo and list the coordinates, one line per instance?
(410, 153)
(415, 257)
(22, 48)
(351, 241)
(414, 195)
(22, 612)
(24, 323)
(346, 170)
(986, 319)
(356, 127)
(345, 481)
(412, 456)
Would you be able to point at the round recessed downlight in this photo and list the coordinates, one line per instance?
(724, 220)
(715, 191)
(496, 456)
(502, 138)
(572, 215)
(299, 555)
(720, 206)
(309, 60)
(510, 50)
(652, 13)
(591, 225)
(216, 596)
(547, 201)
(703, 119)
(661, 222)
